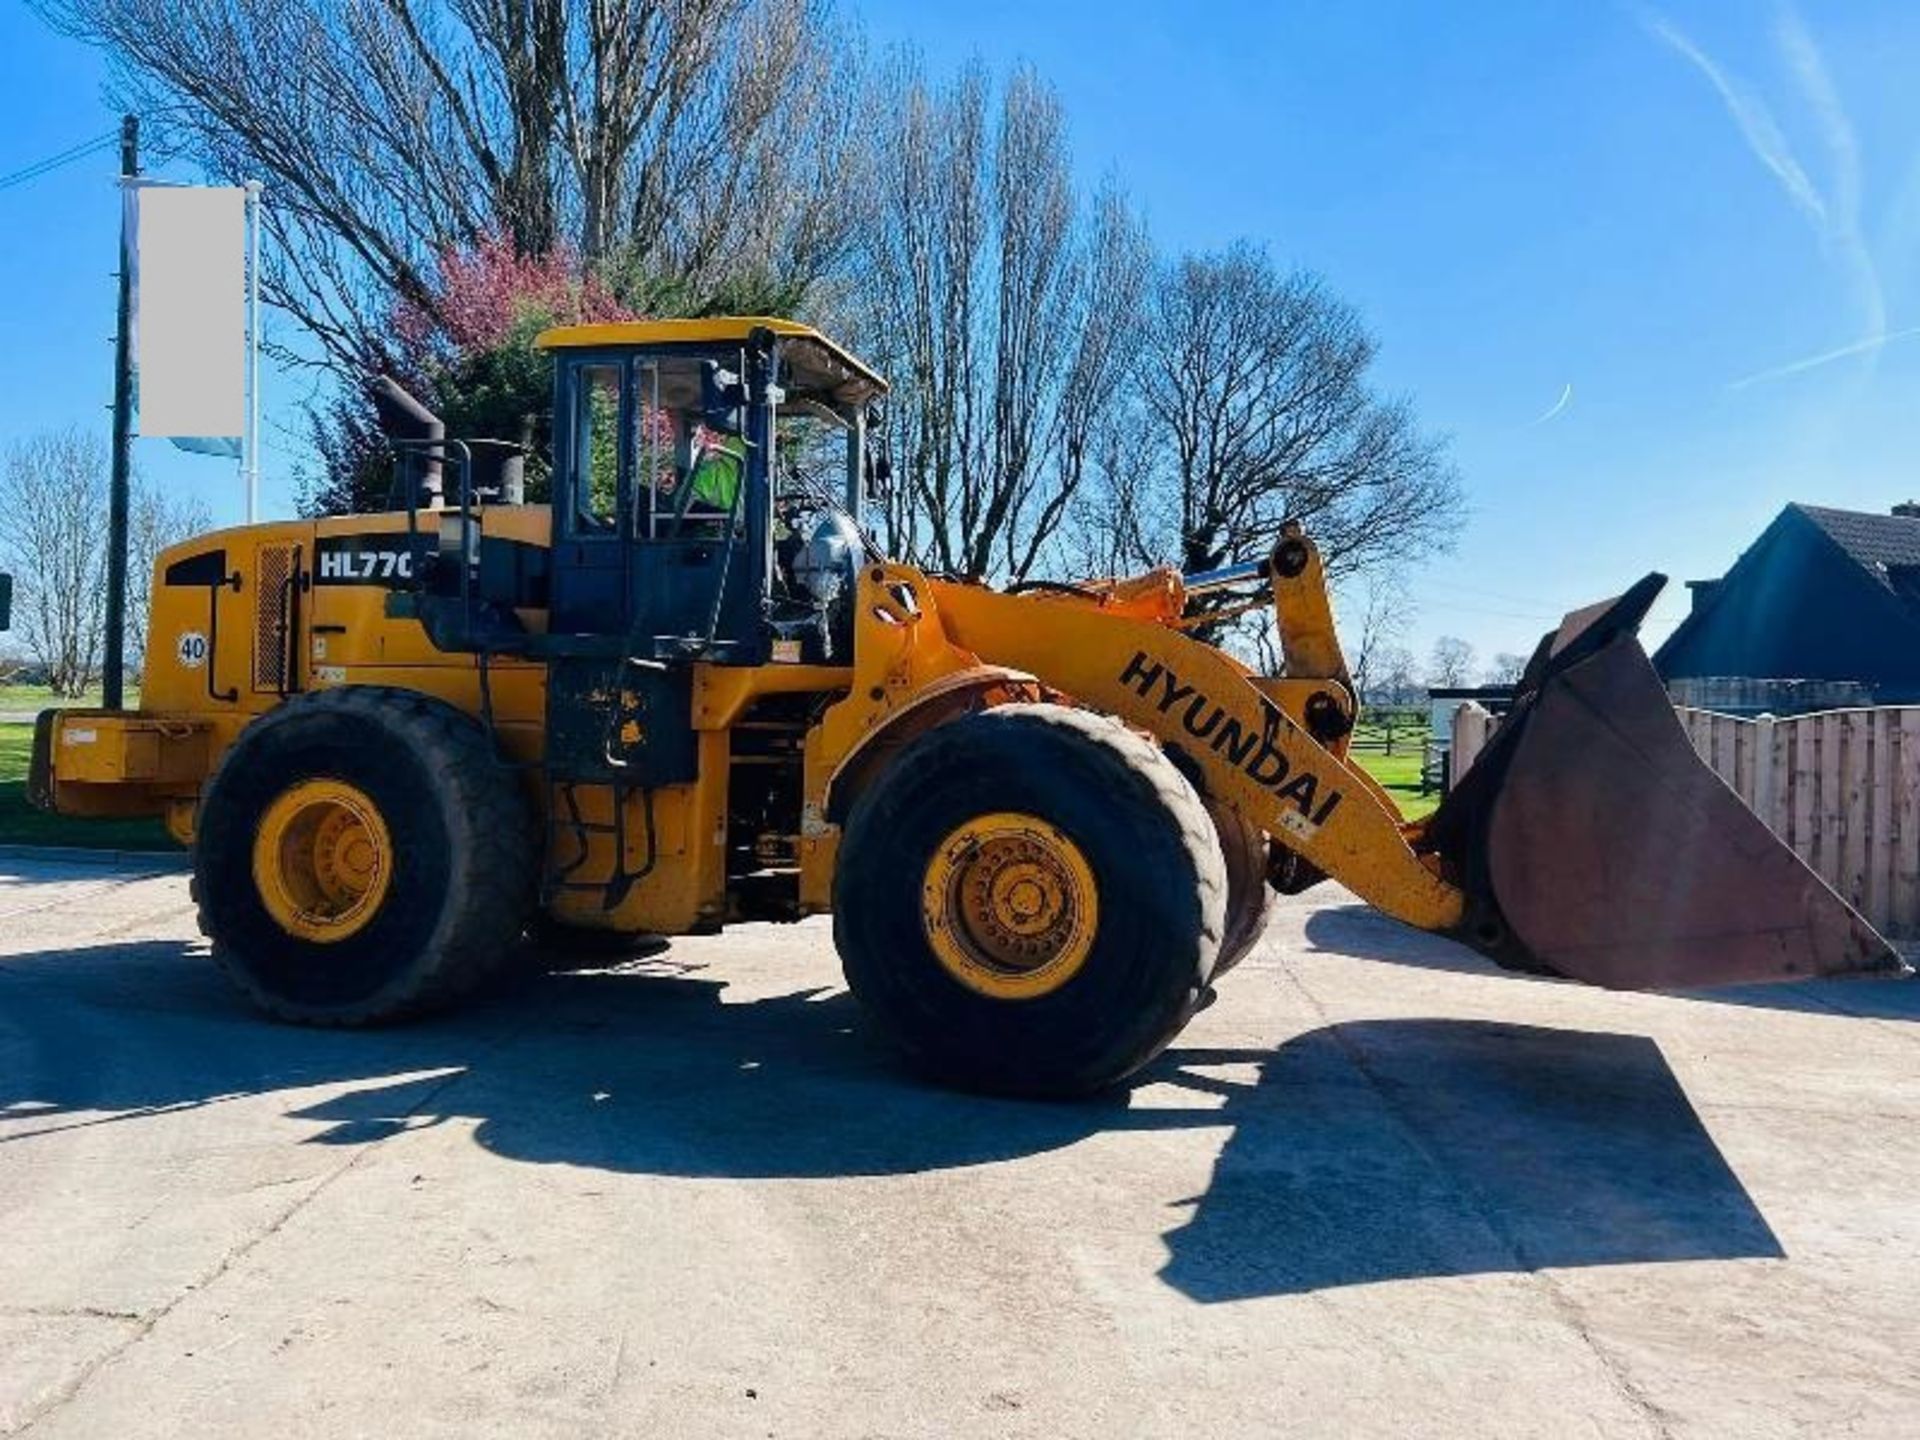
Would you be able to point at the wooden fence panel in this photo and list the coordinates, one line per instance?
(1856, 806)
(1842, 787)
(1904, 832)
(1803, 790)
(1883, 821)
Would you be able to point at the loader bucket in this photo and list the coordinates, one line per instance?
(1595, 844)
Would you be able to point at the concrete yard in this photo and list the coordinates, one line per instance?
(1380, 1188)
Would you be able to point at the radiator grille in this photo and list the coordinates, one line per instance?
(272, 616)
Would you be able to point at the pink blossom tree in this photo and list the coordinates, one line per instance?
(486, 295)
(467, 351)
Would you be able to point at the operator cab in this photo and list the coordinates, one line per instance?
(705, 478)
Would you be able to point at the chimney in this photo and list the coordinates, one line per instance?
(1908, 509)
(1702, 592)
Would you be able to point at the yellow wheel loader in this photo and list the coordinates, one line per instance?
(689, 691)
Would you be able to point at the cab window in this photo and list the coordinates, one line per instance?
(595, 444)
(689, 454)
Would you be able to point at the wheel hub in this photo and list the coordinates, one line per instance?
(1010, 906)
(322, 860)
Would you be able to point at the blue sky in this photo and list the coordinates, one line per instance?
(1657, 206)
(59, 247)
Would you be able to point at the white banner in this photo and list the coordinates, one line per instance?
(189, 249)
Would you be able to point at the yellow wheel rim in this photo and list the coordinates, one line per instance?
(1010, 906)
(322, 860)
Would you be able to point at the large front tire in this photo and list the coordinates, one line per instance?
(1030, 901)
(361, 856)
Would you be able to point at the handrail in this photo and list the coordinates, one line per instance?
(457, 455)
(230, 696)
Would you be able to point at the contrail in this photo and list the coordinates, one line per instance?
(1755, 121)
(1566, 399)
(1827, 357)
(1836, 131)
(1817, 88)
(1834, 211)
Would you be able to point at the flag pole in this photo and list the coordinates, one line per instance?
(252, 441)
(113, 663)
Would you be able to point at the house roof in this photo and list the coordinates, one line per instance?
(1882, 545)
(1885, 548)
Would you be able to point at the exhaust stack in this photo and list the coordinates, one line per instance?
(406, 420)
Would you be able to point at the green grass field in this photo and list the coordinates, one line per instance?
(39, 697)
(1399, 776)
(21, 824)
(1398, 773)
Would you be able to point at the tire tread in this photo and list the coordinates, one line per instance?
(493, 874)
(1152, 791)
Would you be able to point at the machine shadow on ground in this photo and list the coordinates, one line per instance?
(1362, 1152)
(1363, 933)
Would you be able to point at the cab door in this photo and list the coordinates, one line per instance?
(592, 494)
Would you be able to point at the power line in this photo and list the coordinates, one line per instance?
(1443, 584)
(1538, 608)
(54, 162)
(1532, 602)
(1445, 603)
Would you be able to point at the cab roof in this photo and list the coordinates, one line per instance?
(817, 366)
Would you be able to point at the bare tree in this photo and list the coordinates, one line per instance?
(155, 520)
(1257, 383)
(1451, 664)
(53, 505)
(1398, 673)
(52, 502)
(1383, 616)
(684, 141)
(1505, 668)
(1393, 699)
(1120, 506)
(1002, 305)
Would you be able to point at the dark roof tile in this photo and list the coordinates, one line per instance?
(1879, 544)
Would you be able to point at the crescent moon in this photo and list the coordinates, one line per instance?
(1566, 399)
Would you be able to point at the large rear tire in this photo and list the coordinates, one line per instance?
(1030, 901)
(362, 856)
(1243, 847)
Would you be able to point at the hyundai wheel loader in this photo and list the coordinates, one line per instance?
(689, 691)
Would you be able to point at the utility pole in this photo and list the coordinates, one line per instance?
(113, 666)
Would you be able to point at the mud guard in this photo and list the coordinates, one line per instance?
(1597, 845)
(948, 698)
